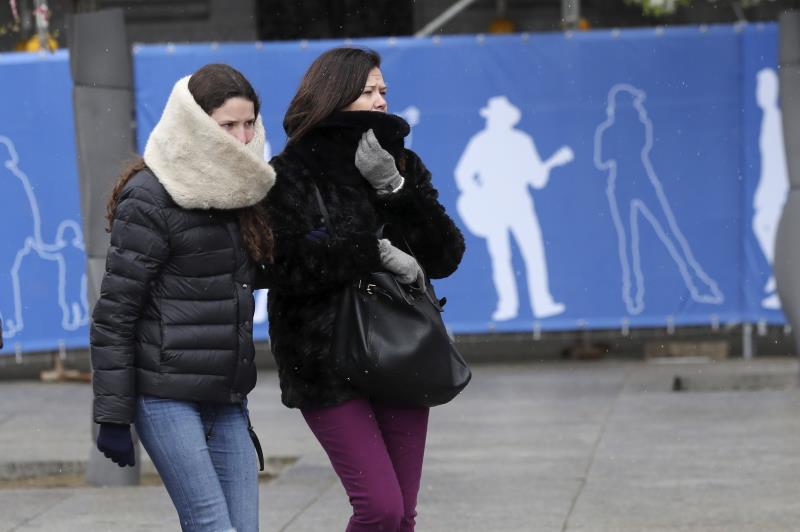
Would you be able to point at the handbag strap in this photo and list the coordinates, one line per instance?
(326, 219)
(323, 210)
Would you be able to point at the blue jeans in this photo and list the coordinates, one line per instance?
(206, 459)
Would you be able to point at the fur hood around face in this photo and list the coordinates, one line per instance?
(200, 165)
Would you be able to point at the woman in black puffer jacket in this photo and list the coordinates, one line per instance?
(343, 141)
(172, 334)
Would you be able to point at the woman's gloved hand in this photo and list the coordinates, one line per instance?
(116, 443)
(377, 165)
(401, 264)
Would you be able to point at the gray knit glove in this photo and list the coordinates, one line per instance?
(401, 264)
(377, 165)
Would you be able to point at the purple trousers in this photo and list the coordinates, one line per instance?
(377, 452)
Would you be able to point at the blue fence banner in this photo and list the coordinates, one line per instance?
(601, 180)
(42, 259)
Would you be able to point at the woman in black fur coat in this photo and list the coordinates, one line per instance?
(342, 139)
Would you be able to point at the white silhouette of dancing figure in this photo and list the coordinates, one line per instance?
(622, 149)
(493, 176)
(773, 184)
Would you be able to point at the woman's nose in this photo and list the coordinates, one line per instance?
(241, 135)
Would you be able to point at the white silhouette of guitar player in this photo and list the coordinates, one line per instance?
(493, 175)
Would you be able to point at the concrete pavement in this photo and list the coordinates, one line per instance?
(595, 446)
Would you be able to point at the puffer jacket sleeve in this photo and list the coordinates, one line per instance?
(139, 247)
(414, 213)
(303, 266)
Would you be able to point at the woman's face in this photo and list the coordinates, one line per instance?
(373, 97)
(237, 117)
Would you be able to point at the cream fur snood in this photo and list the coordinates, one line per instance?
(200, 165)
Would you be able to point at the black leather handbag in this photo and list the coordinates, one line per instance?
(390, 341)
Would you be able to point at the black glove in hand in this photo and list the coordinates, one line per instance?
(377, 165)
(116, 443)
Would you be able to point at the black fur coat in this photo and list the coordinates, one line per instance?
(306, 275)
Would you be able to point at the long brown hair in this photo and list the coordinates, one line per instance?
(211, 86)
(333, 81)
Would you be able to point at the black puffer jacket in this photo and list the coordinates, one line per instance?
(307, 274)
(174, 315)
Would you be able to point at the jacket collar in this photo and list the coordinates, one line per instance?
(200, 165)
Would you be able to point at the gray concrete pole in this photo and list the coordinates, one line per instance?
(100, 60)
(787, 244)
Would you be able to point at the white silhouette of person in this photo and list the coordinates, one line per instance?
(17, 235)
(493, 175)
(773, 184)
(622, 148)
(72, 283)
(26, 233)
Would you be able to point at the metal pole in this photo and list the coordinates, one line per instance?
(42, 14)
(444, 18)
(747, 341)
(570, 13)
(502, 8)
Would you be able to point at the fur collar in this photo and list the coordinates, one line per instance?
(331, 146)
(200, 165)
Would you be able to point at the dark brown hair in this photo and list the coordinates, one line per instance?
(211, 86)
(333, 81)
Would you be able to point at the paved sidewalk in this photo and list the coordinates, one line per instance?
(597, 446)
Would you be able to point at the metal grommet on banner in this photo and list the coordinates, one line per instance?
(615, 33)
(481, 38)
(392, 42)
(436, 40)
(303, 44)
(525, 36)
(537, 331)
(659, 31)
(214, 46)
(625, 327)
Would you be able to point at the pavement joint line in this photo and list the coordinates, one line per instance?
(593, 454)
(38, 515)
(309, 504)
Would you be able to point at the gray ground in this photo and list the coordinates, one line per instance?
(595, 446)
